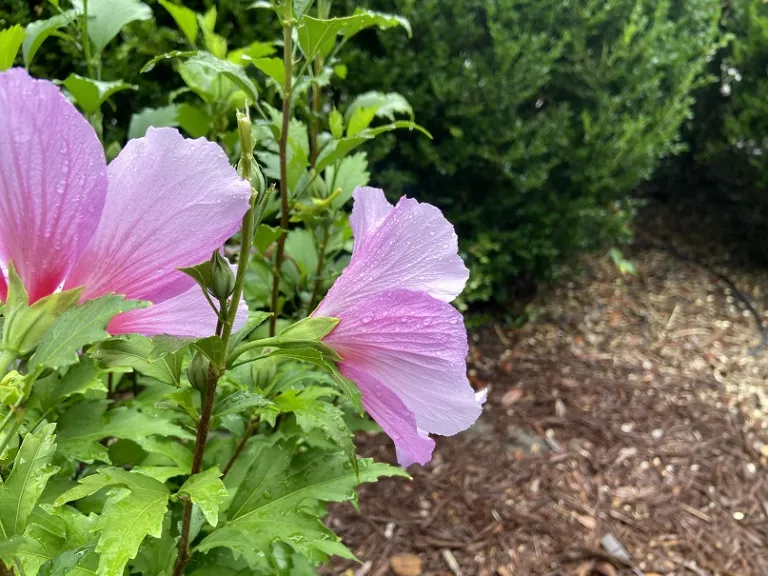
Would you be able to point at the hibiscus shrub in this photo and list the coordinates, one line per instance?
(178, 391)
(545, 114)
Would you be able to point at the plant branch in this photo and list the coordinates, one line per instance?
(224, 330)
(288, 65)
(239, 448)
(316, 105)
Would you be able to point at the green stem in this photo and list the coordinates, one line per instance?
(86, 42)
(224, 329)
(288, 65)
(239, 448)
(243, 348)
(6, 359)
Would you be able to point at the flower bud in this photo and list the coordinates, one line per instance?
(197, 371)
(222, 277)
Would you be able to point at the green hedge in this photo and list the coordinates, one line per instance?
(545, 115)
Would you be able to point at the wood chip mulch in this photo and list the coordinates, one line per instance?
(625, 433)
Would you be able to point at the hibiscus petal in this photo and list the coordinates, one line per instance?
(412, 247)
(370, 209)
(187, 315)
(171, 202)
(389, 412)
(416, 346)
(53, 181)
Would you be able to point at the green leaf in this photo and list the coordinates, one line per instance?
(207, 491)
(280, 501)
(352, 172)
(266, 235)
(384, 105)
(79, 327)
(107, 17)
(185, 18)
(255, 319)
(194, 120)
(336, 123)
(312, 413)
(202, 69)
(322, 358)
(83, 376)
(86, 423)
(166, 56)
(314, 329)
(238, 402)
(212, 348)
(66, 562)
(360, 120)
(10, 42)
(300, 7)
(24, 326)
(272, 67)
(340, 70)
(31, 471)
(140, 354)
(125, 520)
(254, 51)
(157, 117)
(319, 36)
(37, 32)
(336, 150)
(91, 94)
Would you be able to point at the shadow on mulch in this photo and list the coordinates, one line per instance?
(624, 434)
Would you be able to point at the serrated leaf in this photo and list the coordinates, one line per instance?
(140, 354)
(281, 502)
(125, 520)
(312, 413)
(319, 36)
(385, 105)
(107, 17)
(158, 117)
(78, 327)
(66, 562)
(207, 491)
(360, 120)
(272, 67)
(83, 376)
(37, 32)
(352, 172)
(10, 42)
(238, 402)
(336, 123)
(185, 19)
(86, 423)
(91, 94)
(31, 471)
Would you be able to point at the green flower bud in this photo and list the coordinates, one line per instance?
(197, 371)
(222, 277)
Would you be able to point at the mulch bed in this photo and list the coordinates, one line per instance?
(624, 433)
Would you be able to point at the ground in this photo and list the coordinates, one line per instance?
(623, 434)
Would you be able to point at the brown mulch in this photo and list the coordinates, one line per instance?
(624, 434)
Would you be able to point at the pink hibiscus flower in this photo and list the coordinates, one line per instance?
(69, 220)
(402, 343)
